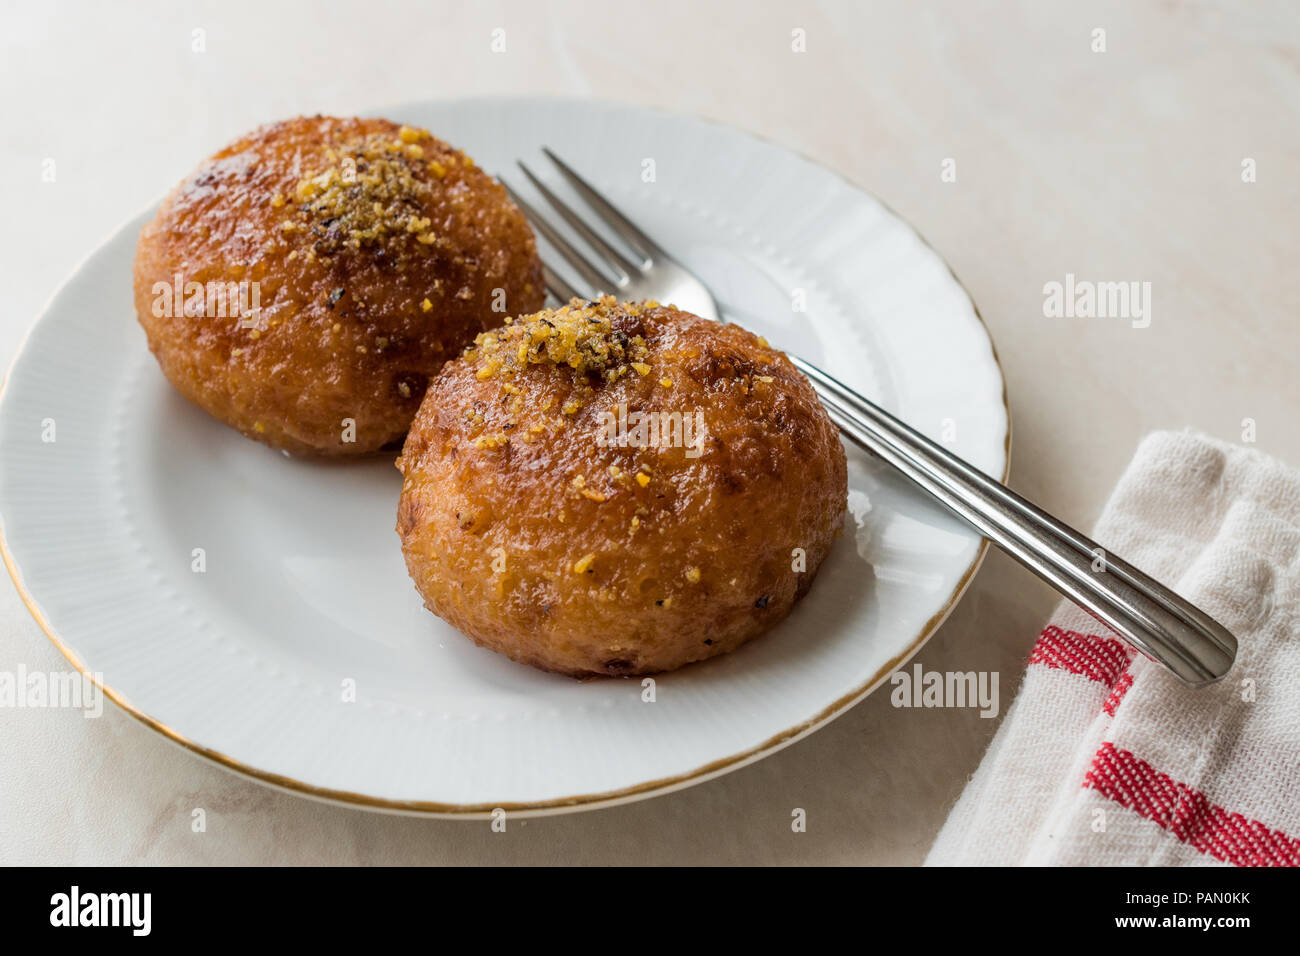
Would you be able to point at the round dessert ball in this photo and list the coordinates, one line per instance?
(618, 489)
(305, 283)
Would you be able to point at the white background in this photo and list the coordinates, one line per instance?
(1122, 165)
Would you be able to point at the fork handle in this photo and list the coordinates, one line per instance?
(1149, 616)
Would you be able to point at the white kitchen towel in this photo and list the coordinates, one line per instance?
(1105, 758)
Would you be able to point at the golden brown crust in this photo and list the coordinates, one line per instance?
(378, 252)
(538, 538)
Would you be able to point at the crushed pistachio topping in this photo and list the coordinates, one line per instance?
(580, 335)
(586, 337)
(368, 191)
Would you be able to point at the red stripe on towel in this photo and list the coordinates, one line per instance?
(1117, 692)
(1100, 658)
(1187, 813)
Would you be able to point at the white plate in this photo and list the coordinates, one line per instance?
(305, 588)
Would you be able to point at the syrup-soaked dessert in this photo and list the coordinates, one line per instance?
(618, 489)
(305, 283)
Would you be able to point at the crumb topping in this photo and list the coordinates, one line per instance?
(581, 335)
(369, 192)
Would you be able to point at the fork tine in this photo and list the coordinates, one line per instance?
(558, 286)
(599, 282)
(615, 259)
(638, 240)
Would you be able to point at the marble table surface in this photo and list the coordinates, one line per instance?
(1170, 157)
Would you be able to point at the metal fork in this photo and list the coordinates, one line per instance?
(1155, 620)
